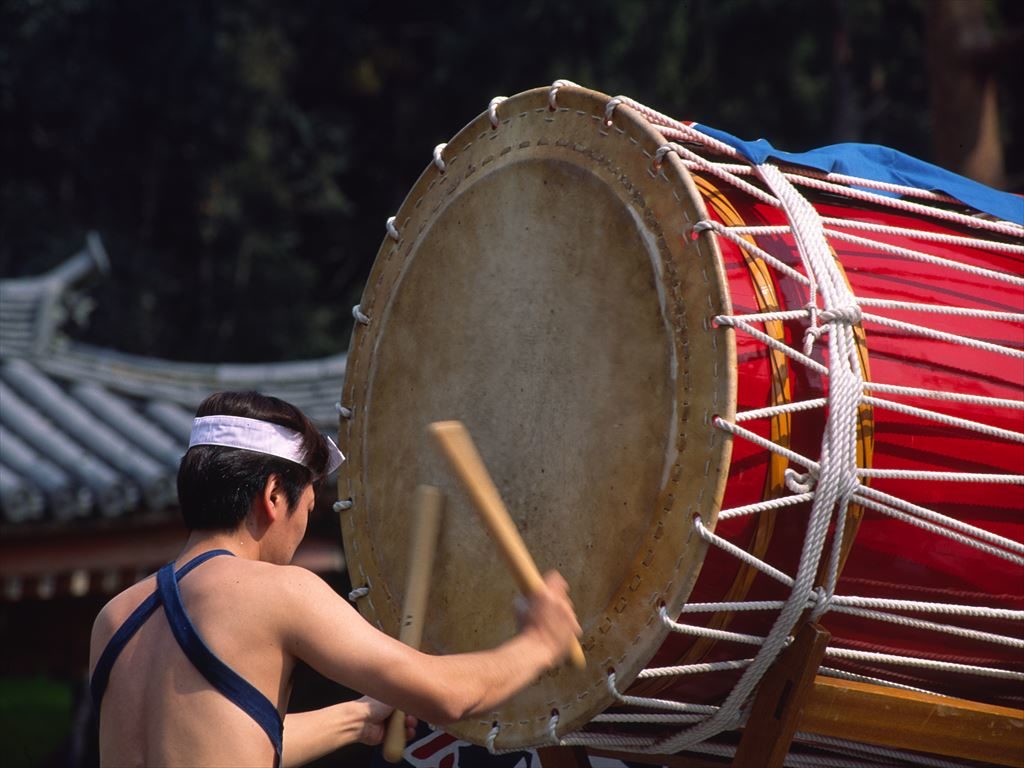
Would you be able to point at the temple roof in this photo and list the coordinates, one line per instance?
(90, 433)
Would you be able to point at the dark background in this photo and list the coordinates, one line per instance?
(239, 159)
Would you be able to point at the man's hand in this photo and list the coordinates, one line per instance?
(310, 735)
(375, 721)
(548, 616)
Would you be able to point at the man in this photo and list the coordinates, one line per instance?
(193, 666)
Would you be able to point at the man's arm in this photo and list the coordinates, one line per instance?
(323, 630)
(309, 735)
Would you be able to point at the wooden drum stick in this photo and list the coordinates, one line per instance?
(458, 447)
(427, 511)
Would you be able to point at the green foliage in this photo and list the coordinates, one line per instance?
(240, 158)
(35, 717)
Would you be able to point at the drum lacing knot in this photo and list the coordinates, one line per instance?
(357, 593)
(822, 603)
(663, 615)
(438, 160)
(552, 104)
(393, 230)
(610, 680)
(361, 318)
(801, 483)
(850, 314)
(341, 505)
(491, 736)
(849, 484)
(345, 413)
(814, 331)
(552, 726)
(659, 155)
(492, 109)
(609, 109)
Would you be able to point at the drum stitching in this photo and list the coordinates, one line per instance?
(686, 389)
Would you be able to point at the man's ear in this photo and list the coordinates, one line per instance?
(272, 500)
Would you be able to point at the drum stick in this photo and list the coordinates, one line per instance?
(458, 447)
(427, 512)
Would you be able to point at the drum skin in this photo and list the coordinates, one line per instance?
(546, 288)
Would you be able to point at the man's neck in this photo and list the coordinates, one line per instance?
(238, 542)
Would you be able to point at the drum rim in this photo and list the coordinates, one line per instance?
(593, 106)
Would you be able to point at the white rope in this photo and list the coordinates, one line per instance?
(798, 174)
(956, 477)
(951, 421)
(839, 604)
(765, 506)
(953, 609)
(616, 717)
(764, 442)
(357, 593)
(762, 317)
(849, 654)
(926, 258)
(552, 103)
(492, 109)
(714, 634)
(438, 159)
(649, 703)
(774, 343)
(931, 333)
(691, 158)
(941, 531)
(924, 235)
(1013, 317)
(995, 402)
(778, 410)
(868, 749)
(751, 248)
(842, 674)
(738, 553)
(744, 605)
(884, 502)
(947, 629)
(693, 669)
(359, 316)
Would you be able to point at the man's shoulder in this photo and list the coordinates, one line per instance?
(117, 610)
(270, 580)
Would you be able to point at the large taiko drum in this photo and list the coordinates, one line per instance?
(720, 399)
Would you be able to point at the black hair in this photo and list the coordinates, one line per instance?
(216, 485)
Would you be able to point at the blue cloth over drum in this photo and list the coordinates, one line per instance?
(878, 163)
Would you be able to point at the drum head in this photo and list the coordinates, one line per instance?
(545, 290)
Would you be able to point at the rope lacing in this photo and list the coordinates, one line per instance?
(833, 482)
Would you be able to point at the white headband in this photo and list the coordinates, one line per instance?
(256, 435)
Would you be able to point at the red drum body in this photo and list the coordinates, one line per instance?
(721, 399)
(888, 558)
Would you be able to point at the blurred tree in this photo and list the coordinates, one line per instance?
(240, 158)
(964, 57)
